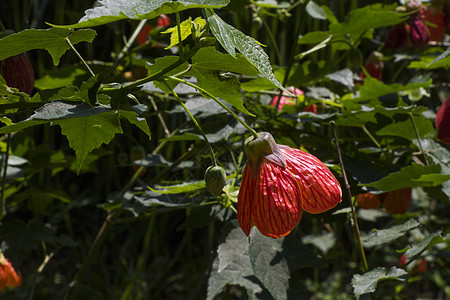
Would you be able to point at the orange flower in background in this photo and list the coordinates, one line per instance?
(369, 200)
(443, 121)
(280, 182)
(397, 202)
(394, 202)
(8, 276)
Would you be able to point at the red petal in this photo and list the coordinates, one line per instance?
(397, 202)
(245, 201)
(369, 200)
(443, 121)
(319, 189)
(277, 209)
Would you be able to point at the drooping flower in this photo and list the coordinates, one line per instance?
(8, 276)
(443, 122)
(280, 182)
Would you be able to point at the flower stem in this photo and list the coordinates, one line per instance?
(347, 187)
(252, 131)
(195, 122)
(418, 138)
(180, 44)
(79, 55)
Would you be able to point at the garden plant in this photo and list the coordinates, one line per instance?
(224, 149)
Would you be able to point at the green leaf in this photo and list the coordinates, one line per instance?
(314, 37)
(162, 63)
(53, 40)
(111, 11)
(209, 59)
(409, 177)
(59, 78)
(89, 132)
(426, 243)
(405, 129)
(383, 236)
(227, 88)
(134, 119)
(269, 265)
(186, 187)
(367, 283)
(372, 16)
(232, 266)
(231, 38)
(441, 61)
(373, 88)
(315, 11)
(185, 28)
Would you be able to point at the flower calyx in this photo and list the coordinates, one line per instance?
(215, 178)
(263, 147)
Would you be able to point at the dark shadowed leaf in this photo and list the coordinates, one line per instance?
(232, 266)
(367, 283)
(410, 176)
(383, 236)
(269, 265)
(428, 242)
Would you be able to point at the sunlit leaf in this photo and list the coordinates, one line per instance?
(428, 242)
(111, 11)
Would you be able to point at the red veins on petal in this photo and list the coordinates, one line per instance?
(273, 199)
(319, 189)
(277, 209)
(443, 122)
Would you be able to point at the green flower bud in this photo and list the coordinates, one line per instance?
(215, 178)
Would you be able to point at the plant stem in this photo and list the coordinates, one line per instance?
(418, 138)
(130, 42)
(371, 136)
(195, 122)
(365, 267)
(5, 168)
(157, 75)
(180, 42)
(79, 55)
(252, 131)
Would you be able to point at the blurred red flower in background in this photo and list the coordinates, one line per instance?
(18, 73)
(8, 276)
(280, 182)
(162, 21)
(289, 100)
(374, 66)
(434, 16)
(443, 121)
(394, 202)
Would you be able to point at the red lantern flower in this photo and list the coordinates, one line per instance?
(369, 200)
(280, 182)
(163, 21)
(420, 36)
(8, 276)
(443, 122)
(397, 202)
